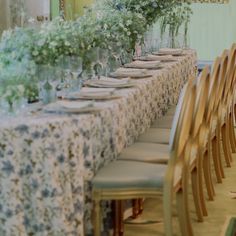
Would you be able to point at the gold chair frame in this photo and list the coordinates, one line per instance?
(176, 179)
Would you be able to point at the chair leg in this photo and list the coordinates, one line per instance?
(200, 184)
(234, 111)
(209, 152)
(196, 196)
(140, 203)
(226, 148)
(218, 148)
(117, 216)
(167, 208)
(183, 213)
(231, 133)
(135, 205)
(215, 157)
(97, 218)
(207, 176)
(121, 217)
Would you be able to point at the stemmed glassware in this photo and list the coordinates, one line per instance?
(71, 70)
(47, 76)
(103, 61)
(90, 61)
(75, 70)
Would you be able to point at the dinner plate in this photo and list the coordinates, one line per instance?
(144, 65)
(71, 107)
(132, 73)
(110, 83)
(170, 51)
(156, 57)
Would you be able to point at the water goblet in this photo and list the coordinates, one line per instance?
(103, 61)
(90, 62)
(76, 68)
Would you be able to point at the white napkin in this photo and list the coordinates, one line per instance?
(91, 93)
(67, 106)
(144, 64)
(157, 57)
(170, 51)
(108, 80)
(130, 72)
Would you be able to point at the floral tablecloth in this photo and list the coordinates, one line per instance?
(47, 161)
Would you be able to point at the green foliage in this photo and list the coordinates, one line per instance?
(108, 24)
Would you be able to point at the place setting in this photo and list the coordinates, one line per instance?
(72, 107)
(175, 52)
(148, 65)
(93, 93)
(108, 82)
(132, 73)
(156, 57)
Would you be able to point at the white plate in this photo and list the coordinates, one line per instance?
(71, 107)
(171, 51)
(144, 65)
(110, 83)
(161, 58)
(133, 73)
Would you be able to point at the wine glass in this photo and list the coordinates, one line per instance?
(75, 68)
(91, 60)
(64, 65)
(47, 76)
(103, 61)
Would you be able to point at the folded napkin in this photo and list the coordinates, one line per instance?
(144, 64)
(171, 51)
(108, 80)
(132, 73)
(70, 107)
(92, 93)
(157, 57)
(95, 91)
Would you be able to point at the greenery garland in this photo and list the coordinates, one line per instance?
(107, 24)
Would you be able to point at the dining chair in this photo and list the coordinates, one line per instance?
(122, 180)
(152, 145)
(228, 96)
(221, 110)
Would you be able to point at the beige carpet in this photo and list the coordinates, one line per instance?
(223, 206)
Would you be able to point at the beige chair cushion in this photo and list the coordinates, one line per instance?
(155, 135)
(130, 174)
(163, 122)
(171, 111)
(146, 152)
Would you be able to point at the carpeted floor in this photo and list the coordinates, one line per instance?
(222, 207)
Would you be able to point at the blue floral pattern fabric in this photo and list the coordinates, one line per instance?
(47, 161)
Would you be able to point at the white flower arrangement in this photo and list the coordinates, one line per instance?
(107, 24)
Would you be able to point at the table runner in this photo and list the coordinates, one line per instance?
(47, 161)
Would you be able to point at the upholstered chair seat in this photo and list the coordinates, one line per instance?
(143, 175)
(163, 122)
(146, 152)
(155, 135)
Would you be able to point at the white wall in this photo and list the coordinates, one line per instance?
(38, 8)
(4, 15)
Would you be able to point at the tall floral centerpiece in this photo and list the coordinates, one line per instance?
(173, 19)
(113, 25)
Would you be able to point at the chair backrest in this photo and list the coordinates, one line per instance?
(233, 84)
(181, 124)
(215, 74)
(230, 72)
(222, 77)
(202, 89)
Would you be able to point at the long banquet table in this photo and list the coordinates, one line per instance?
(47, 161)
